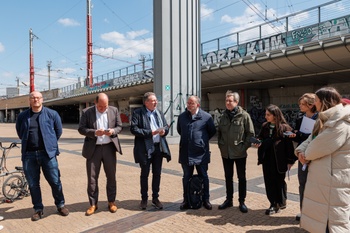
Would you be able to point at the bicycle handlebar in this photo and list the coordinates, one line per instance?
(12, 145)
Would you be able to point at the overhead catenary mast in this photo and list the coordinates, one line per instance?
(31, 61)
(89, 77)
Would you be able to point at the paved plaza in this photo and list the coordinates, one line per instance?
(129, 218)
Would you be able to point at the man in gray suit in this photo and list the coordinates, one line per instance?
(101, 124)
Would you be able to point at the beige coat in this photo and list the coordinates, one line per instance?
(327, 191)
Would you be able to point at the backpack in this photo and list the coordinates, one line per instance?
(195, 192)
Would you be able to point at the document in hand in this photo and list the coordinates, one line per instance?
(307, 125)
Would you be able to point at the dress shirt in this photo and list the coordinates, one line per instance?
(102, 123)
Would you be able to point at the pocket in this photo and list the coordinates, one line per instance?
(198, 147)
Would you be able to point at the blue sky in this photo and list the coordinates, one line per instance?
(122, 32)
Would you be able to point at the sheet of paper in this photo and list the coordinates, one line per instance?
(307, 125)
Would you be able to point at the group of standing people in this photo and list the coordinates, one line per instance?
(324, 158)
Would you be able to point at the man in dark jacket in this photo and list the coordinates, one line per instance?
(195, 127)
(150, 146)
(234, 133)
(39, 128)
(101, 124)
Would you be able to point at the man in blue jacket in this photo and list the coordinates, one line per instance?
(39, 128)
(195, 127)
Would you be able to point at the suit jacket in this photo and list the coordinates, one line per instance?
(143, 142)
(88, 126)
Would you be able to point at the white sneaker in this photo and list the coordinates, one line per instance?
(1, 218)
(1, 227)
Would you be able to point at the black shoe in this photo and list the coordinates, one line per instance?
(184, 206)
(37, 215)
(243, 208)
(272, 210)
(143, 204)
(297, 218)
(283, 206)
(227, 203)
(207, 205)
(157, 204)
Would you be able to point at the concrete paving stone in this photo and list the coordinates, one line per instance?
(129, 218)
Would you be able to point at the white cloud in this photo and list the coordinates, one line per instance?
(134, 34)
(206, 13)
(252, 16)
(2, 48)
(68, 22)
(128, 45)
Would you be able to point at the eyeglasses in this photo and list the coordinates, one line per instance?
(33, 98)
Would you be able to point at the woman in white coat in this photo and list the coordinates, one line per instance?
(326, 204)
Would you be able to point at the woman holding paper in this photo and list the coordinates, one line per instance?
(326, 204)
(304, 126)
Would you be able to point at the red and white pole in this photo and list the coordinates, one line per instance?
(89, 77)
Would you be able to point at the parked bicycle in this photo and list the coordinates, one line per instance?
(15, 185)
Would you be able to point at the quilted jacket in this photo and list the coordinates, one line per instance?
(327, 191)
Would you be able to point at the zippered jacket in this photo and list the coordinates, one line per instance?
(50, 127)
(234, 135)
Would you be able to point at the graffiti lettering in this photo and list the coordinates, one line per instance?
(250, 48)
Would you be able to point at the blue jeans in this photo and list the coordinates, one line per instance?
(202, 171)
(32, 162)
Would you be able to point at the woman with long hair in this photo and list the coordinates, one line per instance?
(275, 153)
(326, 204)
(308, 108)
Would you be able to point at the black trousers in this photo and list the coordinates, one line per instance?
(302, 177)
(156, 161)
(241, 174)
(275, 185)
(106, 155)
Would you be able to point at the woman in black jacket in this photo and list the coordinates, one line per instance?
(276, 154)
(308, 108)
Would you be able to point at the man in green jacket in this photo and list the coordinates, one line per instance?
(234, 133)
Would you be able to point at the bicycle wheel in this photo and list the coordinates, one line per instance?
(13, 187)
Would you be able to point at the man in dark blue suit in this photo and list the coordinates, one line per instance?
(196, 128)
(150, 146)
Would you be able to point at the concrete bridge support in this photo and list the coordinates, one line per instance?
(176, 55)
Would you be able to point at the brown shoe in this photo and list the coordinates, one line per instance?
(157, 204)
(63, 211)
(143, 204)
(112, 207)
(91, 210)
(37, 215)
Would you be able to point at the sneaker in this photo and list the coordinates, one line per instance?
(143, 204)
(63, 211)
(37, 215)
(283, 206)
(157, 204)
(272, 210)
(298, 217)
(1, 227)
(1, 218)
